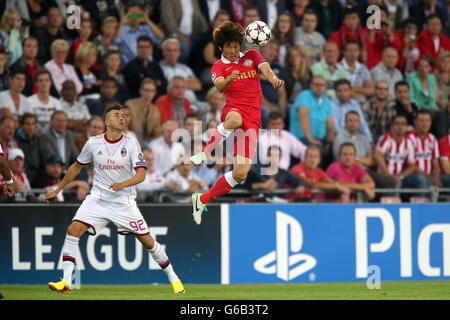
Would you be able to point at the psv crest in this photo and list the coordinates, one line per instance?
(123, 152)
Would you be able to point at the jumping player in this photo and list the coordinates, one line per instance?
(237, 75)
(112, 198)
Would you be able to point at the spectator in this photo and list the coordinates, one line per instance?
(206, 53)
(184, 20)
(387, 71)
(379, 110)
(422, 84)
(77, 113)
(329, 14)
(444, 151)
(106, 40)
(191, 134)
(4, 69)
(410, 52)
(298, 9)
(48, 33)
(275, 134)
(140, 68)
(380, 39)
(311, 117)
(112, 68)
(16, 161)
(251, 14)
(329, 68)
(60, 70)
(394, 154)
(95, 127)
(209, 9)
(13, 34)
(216, 101)
(99, 12)
(351, 29)
(174, 105)
(108, 92)
(313, 177)
(127, 116)
(28, 141)
(28, 60)
(58, 140)
(84, 36)
(431, 40)
(7, 127)
(342, 104)
(52, 176)
(423, 10)
(182, 179)
(308, 39)
(84, 67)
(273, 99)
(35, 14)
(133, 25)
(12, 101)
(283, 32)
(397, 12)
(145, 116)
(269, 10)
(349, 173)
(171, 67)
(42, 103)
(359, 76)
(297, 73)
(426, 150)
(403, 104)
(442, 75)
(238, 10)
(275, 177)
(167, 151)
(154, 181)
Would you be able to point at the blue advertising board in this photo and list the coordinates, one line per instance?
(32, 236)
(271, 243)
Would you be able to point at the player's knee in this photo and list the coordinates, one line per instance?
(239, 176)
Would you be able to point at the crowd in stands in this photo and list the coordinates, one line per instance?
(366, 100)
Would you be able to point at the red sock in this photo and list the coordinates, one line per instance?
(214, 140)
(220, 188)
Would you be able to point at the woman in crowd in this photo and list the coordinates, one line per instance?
(297, 73)
(84, 61)
(284, 32)
(422, 84)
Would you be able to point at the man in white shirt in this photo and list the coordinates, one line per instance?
(154, 180)
(167, 150)
(77, 113)
(277, 135)
(118, 166)
(12, 101)
(42, 103)
(171, 67)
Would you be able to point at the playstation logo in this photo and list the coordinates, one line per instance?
(289, 239)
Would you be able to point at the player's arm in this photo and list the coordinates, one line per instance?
(267, 71)
(223, 84)
(136, 179)
(71, 173)
(6, 173)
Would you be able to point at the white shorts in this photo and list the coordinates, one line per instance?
(97, 213)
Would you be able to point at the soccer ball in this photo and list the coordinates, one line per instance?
(258, 34)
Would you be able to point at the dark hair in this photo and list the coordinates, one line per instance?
(399, 115)
(29, 38)
(310, 12)
(228, 32)
(422, 111)
(351, 112)
(428, 59)
(131, 4)
(109, 79)
(18, 70)
(341, 82)
(40, 72)
(349, 11)
(114, 106)
(25, 116)
(351, 42)
(144, 38)
(346, 144)
(275, 115)
(432, 16)
(401, 83)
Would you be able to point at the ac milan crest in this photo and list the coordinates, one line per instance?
(123, 152)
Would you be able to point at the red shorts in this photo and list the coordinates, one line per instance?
(246, 136)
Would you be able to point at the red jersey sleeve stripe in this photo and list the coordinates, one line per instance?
(81, 163)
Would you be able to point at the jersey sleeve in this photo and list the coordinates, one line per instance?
(217, 72)
(137, 157)
(85, 156)
(257, 58)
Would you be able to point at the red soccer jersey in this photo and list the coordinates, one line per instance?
(396, 155)
(425, 150)
(246, 90)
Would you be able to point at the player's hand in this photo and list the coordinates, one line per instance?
(116, 186)
(234, 75)
(50, 195)
(277, 83)
(9, 190)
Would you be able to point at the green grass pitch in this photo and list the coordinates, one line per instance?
(398, 290)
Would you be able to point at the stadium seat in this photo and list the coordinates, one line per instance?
(390, 200)
(419, 200)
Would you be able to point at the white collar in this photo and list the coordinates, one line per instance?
(226, 61)
(345, 64)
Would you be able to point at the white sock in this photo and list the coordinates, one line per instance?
(230, 179)
(224, 132)
(70, 251)
(159, 255)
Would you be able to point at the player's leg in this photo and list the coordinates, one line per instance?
(70, 253)
(159, 255)
(224, 184)
(233, 120)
